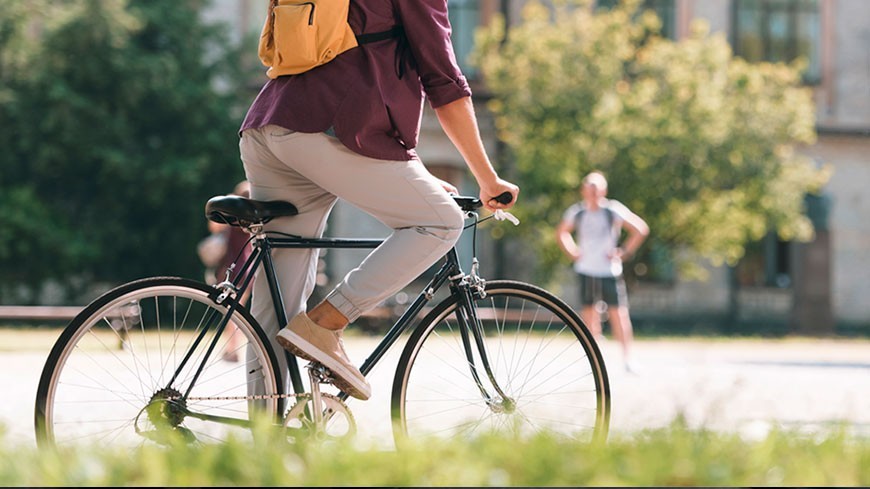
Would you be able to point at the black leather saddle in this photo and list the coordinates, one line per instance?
(239, 211)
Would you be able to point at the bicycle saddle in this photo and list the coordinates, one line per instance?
(235, 210)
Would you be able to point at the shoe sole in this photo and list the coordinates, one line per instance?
(294, 343)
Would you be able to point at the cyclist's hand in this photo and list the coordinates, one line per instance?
(497, 190)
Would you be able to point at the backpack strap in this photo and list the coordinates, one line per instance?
(396, 31)
(402, 48)
(578, 217)
(608, 213)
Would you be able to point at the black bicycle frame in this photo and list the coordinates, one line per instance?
(450, 271)
(451, 268)
(263, 253)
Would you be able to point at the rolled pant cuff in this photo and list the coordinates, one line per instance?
(344, 306)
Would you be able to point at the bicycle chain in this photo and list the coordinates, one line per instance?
(257, 397)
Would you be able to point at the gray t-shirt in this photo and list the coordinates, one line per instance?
(597, 236)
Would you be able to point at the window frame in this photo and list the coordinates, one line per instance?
(774, 256)
(666, 10)
(793, 10)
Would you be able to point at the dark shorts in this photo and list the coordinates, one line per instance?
(611, 290)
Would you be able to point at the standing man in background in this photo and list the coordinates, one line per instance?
(589, 234)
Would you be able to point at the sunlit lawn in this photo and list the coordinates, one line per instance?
(665, 457)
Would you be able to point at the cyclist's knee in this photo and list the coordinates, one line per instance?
(449, 229)
(457, 221)
(447, 236)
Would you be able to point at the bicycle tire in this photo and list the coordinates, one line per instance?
(542, 355)
(119, 354)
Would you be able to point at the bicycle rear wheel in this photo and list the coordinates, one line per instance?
(121, 372)
(542, 357)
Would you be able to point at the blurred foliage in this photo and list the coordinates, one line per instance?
(699, 143)
(674, 455)
(119, 120)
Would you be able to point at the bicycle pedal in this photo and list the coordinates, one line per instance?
(317, 372)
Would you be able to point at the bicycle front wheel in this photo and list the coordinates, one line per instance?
(123, 371)
(542, 359)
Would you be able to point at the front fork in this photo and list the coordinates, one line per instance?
(470, 288)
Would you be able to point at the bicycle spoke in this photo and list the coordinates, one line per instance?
(92, 392)
(539, 353)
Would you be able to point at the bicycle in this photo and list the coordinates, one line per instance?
(491, 355)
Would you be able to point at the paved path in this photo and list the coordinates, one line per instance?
(742, 385)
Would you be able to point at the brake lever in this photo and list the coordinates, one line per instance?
(503, 215)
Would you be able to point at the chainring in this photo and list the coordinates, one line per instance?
(338, 421)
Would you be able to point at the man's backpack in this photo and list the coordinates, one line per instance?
(300, 35)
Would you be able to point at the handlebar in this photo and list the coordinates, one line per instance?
(504, 198)
(473, 203)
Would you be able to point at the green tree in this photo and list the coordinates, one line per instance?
(115, 133)
(699, 143)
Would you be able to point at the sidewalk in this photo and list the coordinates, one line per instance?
(741, 385)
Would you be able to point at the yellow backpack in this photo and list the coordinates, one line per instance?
(299, 35)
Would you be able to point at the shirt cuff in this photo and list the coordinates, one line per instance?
(448, 92)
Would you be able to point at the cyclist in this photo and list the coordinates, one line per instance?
(348, 129)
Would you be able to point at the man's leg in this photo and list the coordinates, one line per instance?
(593, 321)
(588, 312)
(617, 299)
(622, 331)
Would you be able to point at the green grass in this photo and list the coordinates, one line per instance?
(675, 456)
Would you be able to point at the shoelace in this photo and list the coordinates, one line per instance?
(340, 337)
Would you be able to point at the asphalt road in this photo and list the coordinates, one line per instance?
(746, 385)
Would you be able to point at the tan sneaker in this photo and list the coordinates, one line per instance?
(306, 339)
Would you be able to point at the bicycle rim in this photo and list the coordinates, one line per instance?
(542, 357)
(108, 379)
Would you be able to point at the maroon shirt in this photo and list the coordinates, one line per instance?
(372, 95)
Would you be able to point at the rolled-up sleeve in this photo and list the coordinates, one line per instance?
(427, 27)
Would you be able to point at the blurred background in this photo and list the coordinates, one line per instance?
(739, 129)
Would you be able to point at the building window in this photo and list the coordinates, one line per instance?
(767, 263)
(779, 31)
(663, 8)
(464, 19)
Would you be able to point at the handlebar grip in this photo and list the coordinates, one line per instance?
(504, 198)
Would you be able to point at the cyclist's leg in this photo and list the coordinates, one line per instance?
(272, 179)
(426, 221)
(310, 170)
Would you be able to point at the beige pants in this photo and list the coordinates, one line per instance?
(312, 171)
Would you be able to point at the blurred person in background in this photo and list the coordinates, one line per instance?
(235, 248)
(589, 234)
